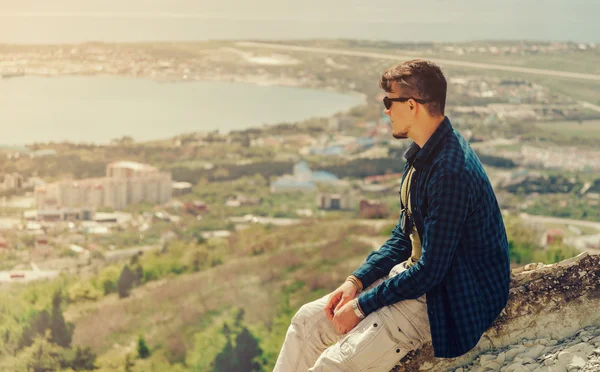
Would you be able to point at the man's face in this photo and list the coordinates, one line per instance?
(400, 114)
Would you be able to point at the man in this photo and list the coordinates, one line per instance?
(443, 276)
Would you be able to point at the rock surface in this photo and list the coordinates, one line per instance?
(551, 323)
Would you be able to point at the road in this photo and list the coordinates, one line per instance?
(557, 220)
(449, 62)
(266, 220)
(590, 106)
(22, 276)
(121, 254)
(494, 142)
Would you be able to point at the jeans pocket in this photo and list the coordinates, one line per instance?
(402, 329)
(372, 347)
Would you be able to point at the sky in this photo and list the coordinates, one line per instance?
(433, 20)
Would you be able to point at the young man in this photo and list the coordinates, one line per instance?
(444, 274)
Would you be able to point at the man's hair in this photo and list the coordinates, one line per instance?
(418, 78)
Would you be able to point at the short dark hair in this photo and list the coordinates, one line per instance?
(418, 78)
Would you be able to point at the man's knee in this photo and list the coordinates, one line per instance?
(310, 322)
(301, 321)
(309, 311)
(301, 315)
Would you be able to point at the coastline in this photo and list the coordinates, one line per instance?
(249, 79)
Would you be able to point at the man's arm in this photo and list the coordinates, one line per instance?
(379, 263)
(448, 197)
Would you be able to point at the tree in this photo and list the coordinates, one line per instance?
(239, 318)
(125, 283)
(42, 356)
(84, 359)
(226, 331)
(134, 260)
(62, 333)
(78, 359)
(37, 327)
(225, 361)
(138, 273)
(247, 351)
(142, 348)
(41, 323)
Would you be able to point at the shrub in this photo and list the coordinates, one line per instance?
(126, 281)
(142, 348)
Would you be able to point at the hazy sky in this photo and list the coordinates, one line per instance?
(319, 10)
(400, 20)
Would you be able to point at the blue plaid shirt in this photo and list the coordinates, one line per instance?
(464, 267)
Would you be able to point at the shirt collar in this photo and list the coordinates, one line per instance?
(418, 154)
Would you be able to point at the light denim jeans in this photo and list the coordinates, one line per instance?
(377, 343)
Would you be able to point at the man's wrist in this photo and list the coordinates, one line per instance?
(357, 283)
(357, 310)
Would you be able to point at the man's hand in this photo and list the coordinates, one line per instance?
(339, 298)
(345, 319)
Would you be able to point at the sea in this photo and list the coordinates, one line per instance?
(97, 109)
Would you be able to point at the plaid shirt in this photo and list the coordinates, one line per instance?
(464, 267)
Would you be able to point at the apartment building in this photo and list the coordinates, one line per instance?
(125, 183)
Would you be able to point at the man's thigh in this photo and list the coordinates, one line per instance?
(380, 340)
(373, 345)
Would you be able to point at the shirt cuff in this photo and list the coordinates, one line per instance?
(365, 275)
(368, 303)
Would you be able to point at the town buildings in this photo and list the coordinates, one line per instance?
(125, 183)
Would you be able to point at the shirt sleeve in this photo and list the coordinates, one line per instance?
(379, 262)
(448, 205)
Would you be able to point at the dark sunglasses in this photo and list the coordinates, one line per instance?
(387, 101)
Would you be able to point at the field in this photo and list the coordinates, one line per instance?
(573, 129)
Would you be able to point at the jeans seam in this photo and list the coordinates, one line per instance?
(314, 325)
(412, 321)
(301, 350)
(372, 339)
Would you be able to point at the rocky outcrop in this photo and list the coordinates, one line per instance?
(551, 323)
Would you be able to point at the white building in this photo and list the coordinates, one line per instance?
(11, 181)
(125, 183)
(335, 201)
(144, 182)
(303, 180)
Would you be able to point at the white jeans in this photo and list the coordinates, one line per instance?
(377, 343)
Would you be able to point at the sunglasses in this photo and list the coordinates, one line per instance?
(387, 101)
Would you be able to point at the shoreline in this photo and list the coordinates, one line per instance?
(243, 79)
